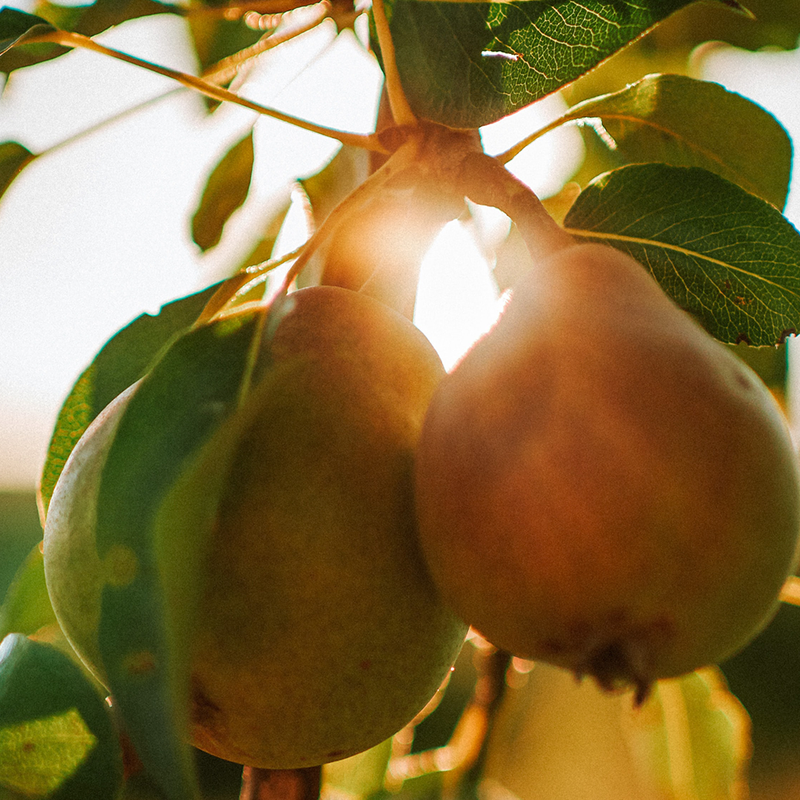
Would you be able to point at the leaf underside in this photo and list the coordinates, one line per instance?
(469, 64)
(726, 256)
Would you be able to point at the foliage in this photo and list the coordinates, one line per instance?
(693, 183)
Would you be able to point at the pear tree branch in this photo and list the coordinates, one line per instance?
(69, 39)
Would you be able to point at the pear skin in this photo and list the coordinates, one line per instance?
(601, 485)
(319, 632)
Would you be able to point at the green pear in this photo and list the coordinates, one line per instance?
(319, 633)
(603, 486)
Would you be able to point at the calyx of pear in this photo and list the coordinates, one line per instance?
(319, 633)
(603, 486)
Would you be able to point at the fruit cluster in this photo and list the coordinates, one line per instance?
(598, 484)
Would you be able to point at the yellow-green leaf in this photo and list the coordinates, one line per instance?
(37, 756)
(692, 739)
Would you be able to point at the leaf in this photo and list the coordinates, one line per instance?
(120, 363)
(56, 733)
(215, 38)
(728, 257)
(16, 27)
(692, 739)
(469, 64)
(225, 191)
(156, 505)
(89, 19)
(26, 606)
(13, 159)
(687, 122)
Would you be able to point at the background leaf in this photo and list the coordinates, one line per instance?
(13, 159)
(89, 19)
(26, 607)
(56, 734)
(687, 122)
(469, 64)
(120, 363)
(17, 26)
(692, 738)
(225, 190)
(726, 256)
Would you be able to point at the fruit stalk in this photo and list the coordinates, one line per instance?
(280, 784)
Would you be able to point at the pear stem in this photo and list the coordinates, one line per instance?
(281, 784)
(487, 182)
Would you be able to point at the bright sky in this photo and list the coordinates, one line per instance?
(97, 231)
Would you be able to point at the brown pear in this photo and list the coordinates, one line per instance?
(603, 486)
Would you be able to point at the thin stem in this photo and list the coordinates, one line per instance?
(225, 70)
(234, 11)
(514, 151)
(241, 283)
(68, 39)
(398, 102)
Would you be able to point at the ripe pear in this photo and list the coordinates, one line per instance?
(319, 633)
(603, 486)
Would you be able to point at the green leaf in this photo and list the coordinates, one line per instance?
(56, 733)
(13, 159)
(225, 191)
(215, 38)
(16, 27)
(692, 738)
(26, 607)
(89, 19)
(120, 363)
(728, 257)
(686, 122)
(469, 64)
(156, 505)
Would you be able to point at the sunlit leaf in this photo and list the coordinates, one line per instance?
(225, 190)
(56, 734)
(469, 64)
(120, 363)
(26, 606)
(38, 755)
(13, 159)
(156, 505)
(687, 122)
(692, 739)
(726, 256)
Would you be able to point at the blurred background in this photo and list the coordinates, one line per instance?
(97, 231)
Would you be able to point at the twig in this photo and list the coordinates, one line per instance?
(68, 39)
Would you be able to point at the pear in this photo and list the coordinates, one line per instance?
(319, 633)
(601, 485)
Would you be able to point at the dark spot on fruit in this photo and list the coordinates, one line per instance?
(28, 747)
(334, 754)
(142, 662)
(204, 709)
(365, 664)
